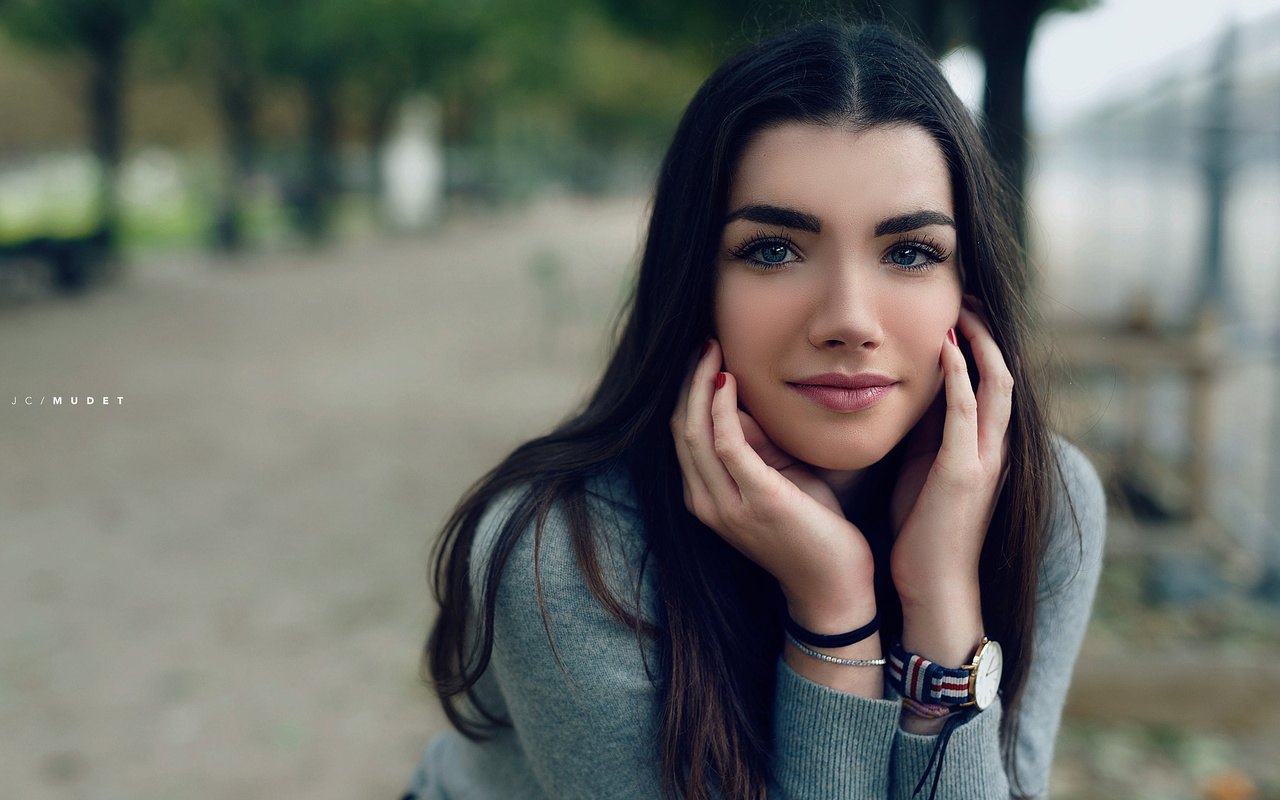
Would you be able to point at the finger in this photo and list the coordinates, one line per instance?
(995, 384)
(972, 303)
(752, 432)
(759, 441)
(743, 464)
(682, 399)
(696, 494)
(926, 436)
(960, 426)
(697, 436)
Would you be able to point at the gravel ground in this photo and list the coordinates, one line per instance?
(216, 588)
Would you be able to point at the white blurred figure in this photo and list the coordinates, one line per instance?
(413, 167)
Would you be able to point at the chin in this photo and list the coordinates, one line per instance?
(842, 453)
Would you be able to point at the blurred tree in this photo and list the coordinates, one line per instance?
(100, 30)
(304, 44)
(716, 27)
(1003, 30)
(378, 51)
(628, 91)
(224, 40)
(396, 47)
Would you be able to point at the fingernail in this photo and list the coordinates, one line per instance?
(706, 348)
(951, 336)
(719, 380)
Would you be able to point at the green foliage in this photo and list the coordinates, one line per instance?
(712, 26)
(199, 34)
(399, 46)
(72, 24)
(627, 90)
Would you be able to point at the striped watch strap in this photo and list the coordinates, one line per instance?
(926, 682)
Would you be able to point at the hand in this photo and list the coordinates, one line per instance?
(951, 478)
(769, 506)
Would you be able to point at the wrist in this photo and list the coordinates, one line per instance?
(927, 585)
(945, 632)
(939, 596)
(832, 616)
(835, 605)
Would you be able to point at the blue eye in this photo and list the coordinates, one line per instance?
(766, 253)
(907, 256)
(772, 253)
(915, 256)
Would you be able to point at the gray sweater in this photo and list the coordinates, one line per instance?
(589, 730)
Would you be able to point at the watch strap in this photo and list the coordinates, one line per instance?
(920, 679)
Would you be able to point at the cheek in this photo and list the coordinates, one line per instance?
(752, 323)
(922, 323)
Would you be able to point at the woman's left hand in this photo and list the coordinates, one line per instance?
(946, 493)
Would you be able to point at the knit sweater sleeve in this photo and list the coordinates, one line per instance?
(576, 682)
(973, 765)
(830, 744)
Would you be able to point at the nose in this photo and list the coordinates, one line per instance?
(846, 312)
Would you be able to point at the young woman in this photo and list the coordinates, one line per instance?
(813, 500)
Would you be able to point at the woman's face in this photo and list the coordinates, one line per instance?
(837, 284)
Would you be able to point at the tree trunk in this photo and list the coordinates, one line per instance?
(105, 90)
(380, 119)
(936, 27)
(319, 182)
(236, 99)
(1004, 38)
(926, 21)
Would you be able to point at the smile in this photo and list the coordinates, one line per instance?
(844, 392)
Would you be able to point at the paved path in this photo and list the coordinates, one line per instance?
(216, 588)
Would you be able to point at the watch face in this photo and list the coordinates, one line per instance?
(986, 681)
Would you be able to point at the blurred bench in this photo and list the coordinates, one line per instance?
(71, 263)
(1136, 352)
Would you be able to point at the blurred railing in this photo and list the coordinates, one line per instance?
(1158, 214)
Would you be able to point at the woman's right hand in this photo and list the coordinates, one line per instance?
(771, 507)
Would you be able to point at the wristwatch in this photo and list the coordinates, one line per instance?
(974, 684)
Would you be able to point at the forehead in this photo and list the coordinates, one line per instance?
(835, 172)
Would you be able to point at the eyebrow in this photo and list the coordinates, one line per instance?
(913, 221)
(766, 214)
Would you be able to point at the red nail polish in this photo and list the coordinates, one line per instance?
(706, 347)
(951, 334)
(719, 380)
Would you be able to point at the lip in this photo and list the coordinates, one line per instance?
(840, 392)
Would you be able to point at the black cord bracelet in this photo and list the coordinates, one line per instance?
(835, 640)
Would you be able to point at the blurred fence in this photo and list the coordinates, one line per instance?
(1159, 214)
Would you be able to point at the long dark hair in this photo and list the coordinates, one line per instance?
(717, 632)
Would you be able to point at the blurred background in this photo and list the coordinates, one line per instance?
(279, 280)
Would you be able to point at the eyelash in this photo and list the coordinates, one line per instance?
(745, 251)
(933, 252)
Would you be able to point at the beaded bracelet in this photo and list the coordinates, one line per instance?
(868, 662)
